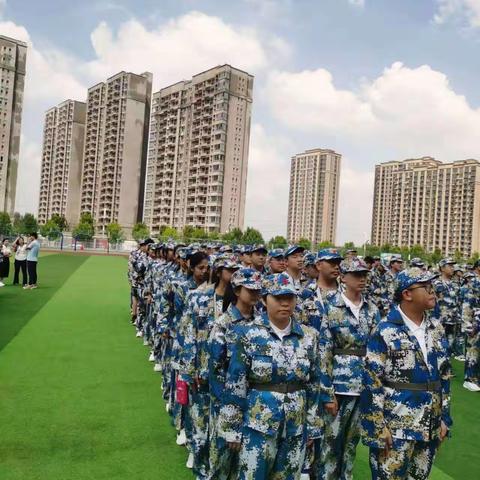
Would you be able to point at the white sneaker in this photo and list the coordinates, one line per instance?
(460, 358)
(151, 358)
(167, 407)
(305, 476)
(181, 438)
(2, 284)
(26, 287)
(145, 343)
(139, 334)
(32, 287)
(190, 461)
(157, 367)
(473, 387)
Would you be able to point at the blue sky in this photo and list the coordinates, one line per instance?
(376, 80)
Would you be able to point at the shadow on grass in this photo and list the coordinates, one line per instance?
(18, 306)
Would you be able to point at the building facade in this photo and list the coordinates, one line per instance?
(61, 171)
(13, 57)
(425, 202)
(115, 150)
(313, 198)
(198, 152)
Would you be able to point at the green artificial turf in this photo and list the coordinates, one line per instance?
(79, 400)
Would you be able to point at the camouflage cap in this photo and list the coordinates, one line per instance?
(225, 260)
(226, 249)
(328, 254)
(259, 248)
(408, 277)
(183, 252)
(396, 258)
(309, 259)
(293, 249)
(351, 265)
(276, 253)
(417, 262)
(248, 278)
(446, 261)
(278, 284)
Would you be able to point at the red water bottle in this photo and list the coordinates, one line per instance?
(182, 392)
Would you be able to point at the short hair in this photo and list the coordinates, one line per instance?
(369, 259)
(34, 235)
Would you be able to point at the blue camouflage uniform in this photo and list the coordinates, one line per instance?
(405, 392)
(448, 308)
(470, 301)
(272, 396)
(343, 341)
(222, 339)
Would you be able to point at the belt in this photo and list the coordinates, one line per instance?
(356, 352)
(434, 386)
(278, 387)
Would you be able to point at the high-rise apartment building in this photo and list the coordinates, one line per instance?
(13, 57)
(115, 151)
(422, 201)
(313, 198)
(61, 172)
(198, 152)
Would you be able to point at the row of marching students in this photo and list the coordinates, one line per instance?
(269, 379)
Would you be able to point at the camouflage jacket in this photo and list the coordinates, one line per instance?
(394, 355)
(259, 356)
(470, 303)
(340, 329)
(447, 309)
(381, 290)
(202, 309)
(313, 308)
(137, 266)
(220, 343)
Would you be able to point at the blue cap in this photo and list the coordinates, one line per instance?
(395, 258)
(352, 265)
(446, 261)
(309, 259)
(259, 248)
(276, 253)
(278, 284)
(417, 262)
(225, 260)
(226, 249)
(247, 249)
(293, 249)
(408, 277)
(248, 278)
(329, 254)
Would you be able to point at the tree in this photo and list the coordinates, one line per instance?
(60, 221)
(252, 236)
(5, 224)
(349, 246)
(198, 234)
(115, 233)
(18, 228)
(458, 256)
(214, 235)
(139, 231)
(233, 236)
(475, 256)
(325, 244)
(83, 231)
(435, 257)
(30, 223)
(305, 243)
(50, 230)
(278, 242)
(168, 232)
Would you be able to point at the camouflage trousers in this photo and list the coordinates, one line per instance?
(455, 339)
(271, 457)
(197, 430)
(407, 460)
(223, 460)
(341, 436)
(472, 358)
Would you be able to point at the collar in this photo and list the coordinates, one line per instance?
(394, 316)
(296, 328)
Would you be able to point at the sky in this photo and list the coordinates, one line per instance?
(375, 80)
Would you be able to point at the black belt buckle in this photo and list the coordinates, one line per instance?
(283, 388)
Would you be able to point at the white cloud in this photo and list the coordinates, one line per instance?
(181, 47)
(465, 11)
(268, 177)
(407, 111)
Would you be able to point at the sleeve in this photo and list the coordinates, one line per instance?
(445, 371)
(326, 360)
(188, 332)
(314, 397)
(467, 310)
(217, 361)
(235, 395)
(372, 396)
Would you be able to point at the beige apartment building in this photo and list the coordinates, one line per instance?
(115, 150)
(61, 171)
(313, 198)
(13, 57)
(422, 201)
(198, 152)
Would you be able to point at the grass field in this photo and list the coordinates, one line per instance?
(78, 399)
